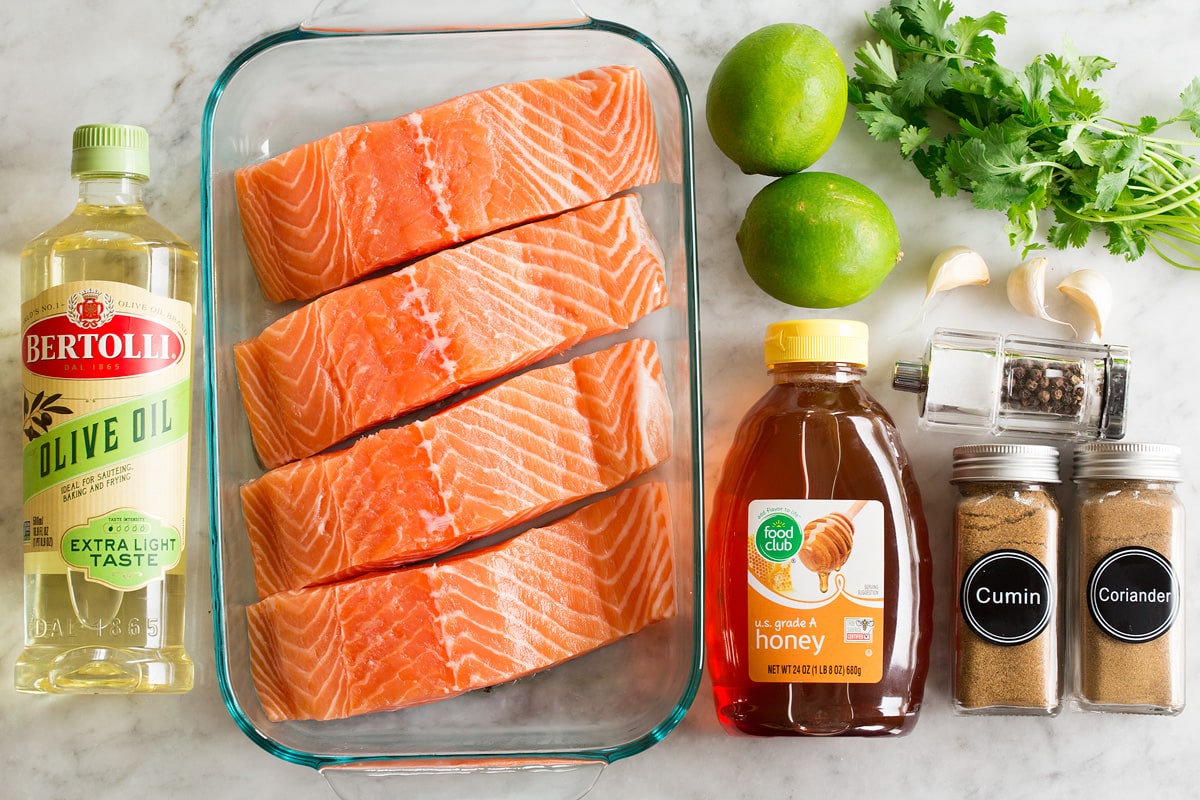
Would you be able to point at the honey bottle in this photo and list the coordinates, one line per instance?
(819, 592)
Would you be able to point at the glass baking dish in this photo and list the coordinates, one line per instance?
(548, 735)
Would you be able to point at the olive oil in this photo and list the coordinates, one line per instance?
(108, 299)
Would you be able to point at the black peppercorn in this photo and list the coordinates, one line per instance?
(1040, 386)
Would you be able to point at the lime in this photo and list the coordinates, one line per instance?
(818, 240)
(777, 99)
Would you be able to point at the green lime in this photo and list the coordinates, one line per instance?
(777, 99)
(818, 240)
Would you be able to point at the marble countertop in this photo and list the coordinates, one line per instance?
(153, 63)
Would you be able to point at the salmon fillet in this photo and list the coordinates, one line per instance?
(535, 443)
(420, 634)
(327, 212)
(374, 351)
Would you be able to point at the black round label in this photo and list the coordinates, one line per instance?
(1007, 597)
(1133, 594)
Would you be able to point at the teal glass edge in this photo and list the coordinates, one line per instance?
(683, 704)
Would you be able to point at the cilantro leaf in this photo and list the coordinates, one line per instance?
(1128, 241)
(912, 138)
(1023, 222)
(1122, 153)
(888, 23)
(1035, 82)
(1068, 231)
(1085, 69)
(944, 181)
(1072, 100)
(1190, 97)
(882, 122)
(1109, 187)
(922, 83)
(994, 169)
(928, 158)
(1080, 142)
(876, 64)
(969, 31)
(932, 16)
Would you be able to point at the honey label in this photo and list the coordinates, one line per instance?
(815, 584)
(107, 409)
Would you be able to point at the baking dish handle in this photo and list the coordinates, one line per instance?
(380, 15)
(466, 779)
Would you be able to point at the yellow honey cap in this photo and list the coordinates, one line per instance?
(832, 340)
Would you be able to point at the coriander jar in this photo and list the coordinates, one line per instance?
(1129, 592)
(1007, 631)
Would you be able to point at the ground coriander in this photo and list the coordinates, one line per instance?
(1007, 631)
(1129, 593)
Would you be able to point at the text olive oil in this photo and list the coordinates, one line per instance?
(107, 313)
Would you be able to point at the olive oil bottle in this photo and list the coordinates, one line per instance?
(108, 299)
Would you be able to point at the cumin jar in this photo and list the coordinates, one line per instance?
(1129, 593)
(1007, 630)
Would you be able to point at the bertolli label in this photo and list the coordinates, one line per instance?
(107, 407)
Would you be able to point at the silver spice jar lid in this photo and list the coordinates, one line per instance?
(1031, 463)
(1127, 460)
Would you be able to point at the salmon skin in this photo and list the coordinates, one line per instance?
(419, 634)
(374, 351)
(534, 443)
(327, 212)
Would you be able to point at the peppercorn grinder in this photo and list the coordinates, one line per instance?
(974, 381)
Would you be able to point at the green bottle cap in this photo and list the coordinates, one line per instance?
(110, 150)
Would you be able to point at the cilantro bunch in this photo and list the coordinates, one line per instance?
(1023, 142)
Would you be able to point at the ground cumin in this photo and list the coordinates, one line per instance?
(1019, 678)
(1007, 625)
(1113, 674)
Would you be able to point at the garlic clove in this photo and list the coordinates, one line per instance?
(1027, 289)
(953, 267)
(1092, 292)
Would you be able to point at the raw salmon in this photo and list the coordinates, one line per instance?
(381, 348)
(543, 439)
(327, 212)
(418, 634)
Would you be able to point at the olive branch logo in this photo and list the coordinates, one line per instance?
(39, 413)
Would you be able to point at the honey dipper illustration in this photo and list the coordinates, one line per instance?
(827, 542)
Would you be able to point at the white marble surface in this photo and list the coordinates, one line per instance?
(154, 61)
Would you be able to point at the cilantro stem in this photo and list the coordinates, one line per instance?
(1103, 216)
(1182, 184)
(1166, 165)
(1158, 252)
(1125, 128)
